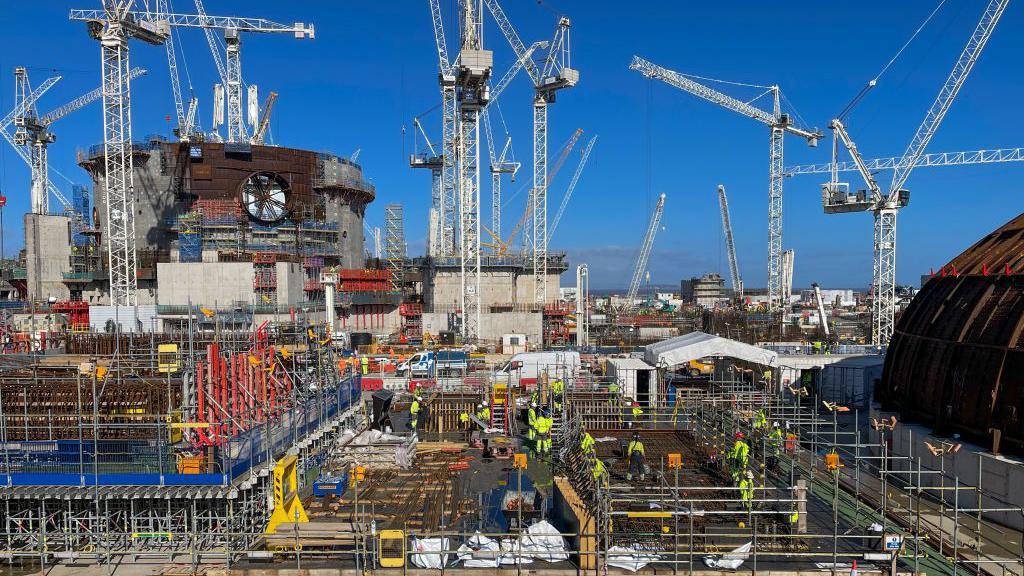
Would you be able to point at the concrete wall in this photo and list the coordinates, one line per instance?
(501, 286)
(493, 326)
(1001, 476)
(376, 318)
(290, 279)
(47, 255)
(203, 283)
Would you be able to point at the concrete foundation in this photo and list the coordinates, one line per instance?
(47, 255)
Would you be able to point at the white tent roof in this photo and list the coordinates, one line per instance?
(695, 345)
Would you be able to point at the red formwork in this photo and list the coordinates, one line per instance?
(236, 391)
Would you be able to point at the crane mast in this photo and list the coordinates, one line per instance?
(734, 267)
(821, 309)
(556, 74)
(445, 207)
(780, 124)
(645, 251)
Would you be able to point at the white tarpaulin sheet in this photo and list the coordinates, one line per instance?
(731, 560)
(631, 558)
(543, 542)
(512, 552)
(427, 552)
(480, 552)
(697, 345)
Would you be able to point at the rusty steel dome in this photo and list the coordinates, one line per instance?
(956, 359)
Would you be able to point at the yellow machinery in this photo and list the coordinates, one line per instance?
(287, 505)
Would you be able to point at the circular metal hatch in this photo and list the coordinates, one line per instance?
(265, 196)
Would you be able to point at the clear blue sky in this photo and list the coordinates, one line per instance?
(372, 67)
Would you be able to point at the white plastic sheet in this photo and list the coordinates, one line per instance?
(427, 552)
(512, 552)
(630, 558)
(543, 542)
(480, 552)
(731, 560)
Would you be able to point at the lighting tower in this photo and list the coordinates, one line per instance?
(555, 74)
(473, 70)
(730, 246)
(645, 251)
(836, 197)
(780, 124)
(33, 135)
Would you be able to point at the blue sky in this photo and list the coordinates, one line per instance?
(372, 68)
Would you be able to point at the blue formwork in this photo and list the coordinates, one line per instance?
(190, 247)
(87, 462)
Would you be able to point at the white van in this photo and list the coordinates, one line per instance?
(527, 367)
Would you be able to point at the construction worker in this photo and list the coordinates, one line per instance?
(747, 490)
(587, 444)
(637, 457)
(557, 389)
(364, 362)
(738, 457)
(600, 473)
(774, 446)
(613, 392)
(544, 424)
(414, 412)
(636, 413)
(531, 421)
(483, 412)
(760, 421)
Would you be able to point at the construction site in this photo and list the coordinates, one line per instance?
(212, 363)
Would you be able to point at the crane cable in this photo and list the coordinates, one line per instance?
(874, 81)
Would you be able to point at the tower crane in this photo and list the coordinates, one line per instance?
(32, 136)
(435, 163)
(445, 208)
(572, 185)
(555, 74)
(113, 26)
(261, 130)
(645, 251)
(473, 71)
(780, 124)
(730, 246)
(836, 197)
(230, 70)
(995, 156)
(821, 309)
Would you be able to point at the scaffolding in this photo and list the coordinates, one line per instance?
(394, 245)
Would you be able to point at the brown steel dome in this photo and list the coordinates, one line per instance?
(956, 359)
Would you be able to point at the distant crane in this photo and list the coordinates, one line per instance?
(32, 135)
(555, 74)
(261, 130)
(821, 309)
(446, 207)
(113, 26)
(572, 185)
(836, 196)
(645, 251)
(780, 125)
(730, 246)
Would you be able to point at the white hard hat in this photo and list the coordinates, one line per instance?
(775, 424)
(479, 405)
(533, 404)
(420, 398)
(485, 402)
(750, 475)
